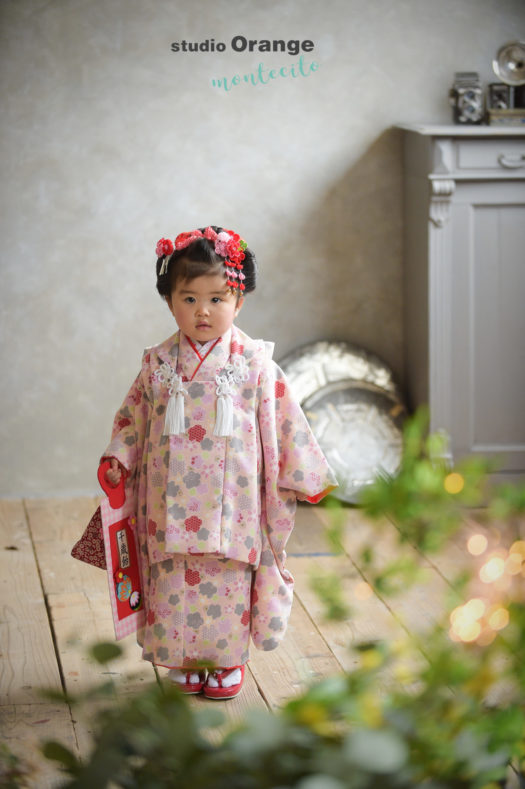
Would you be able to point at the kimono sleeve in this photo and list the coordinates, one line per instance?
(294, 467)
(293, 459)
(129, 428)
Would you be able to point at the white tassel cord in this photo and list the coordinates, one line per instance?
(235, 372)
(224, 418)
(174, 419)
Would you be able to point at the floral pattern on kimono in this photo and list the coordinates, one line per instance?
(198, 610)
(230, 496)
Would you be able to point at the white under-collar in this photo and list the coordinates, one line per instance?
(203, 346)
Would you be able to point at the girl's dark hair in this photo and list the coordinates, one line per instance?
(200, 259)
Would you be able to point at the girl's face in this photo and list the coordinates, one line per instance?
(204, 307)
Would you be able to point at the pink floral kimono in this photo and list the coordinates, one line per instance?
(215, 507)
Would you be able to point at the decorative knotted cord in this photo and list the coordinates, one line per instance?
(174, 419)
(235, 372)
(224, 418)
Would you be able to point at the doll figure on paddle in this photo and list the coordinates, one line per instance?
(215, 452)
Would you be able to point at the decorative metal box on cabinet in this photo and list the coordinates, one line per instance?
(464, 202)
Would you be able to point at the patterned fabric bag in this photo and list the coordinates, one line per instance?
(90, 547)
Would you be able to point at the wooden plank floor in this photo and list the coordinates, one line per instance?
(53, 607)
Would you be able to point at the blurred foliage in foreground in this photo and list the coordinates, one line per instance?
(441, 710)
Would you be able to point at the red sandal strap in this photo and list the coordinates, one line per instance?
(218, 673)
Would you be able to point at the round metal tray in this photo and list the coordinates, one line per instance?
(359, 429)
(354, 407)
(312, 366)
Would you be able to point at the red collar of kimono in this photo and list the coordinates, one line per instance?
(201, 356)
(236, 343)
(190, 362)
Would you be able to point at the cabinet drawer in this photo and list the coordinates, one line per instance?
(502, 154)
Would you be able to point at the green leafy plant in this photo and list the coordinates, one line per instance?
(452, 714)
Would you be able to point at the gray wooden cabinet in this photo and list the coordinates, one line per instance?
(464, 297)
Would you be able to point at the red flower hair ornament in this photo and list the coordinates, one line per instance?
(228, 245)
(164, 247)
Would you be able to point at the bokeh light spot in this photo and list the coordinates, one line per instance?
(486, 638)
(475, 608)
(477, 544)
(514, 564)
(499, 619)
(363, 591)
(454, 483)
(492, 569)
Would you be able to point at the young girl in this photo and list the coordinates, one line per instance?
(216, 453)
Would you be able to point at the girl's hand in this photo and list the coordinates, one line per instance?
(114, 474)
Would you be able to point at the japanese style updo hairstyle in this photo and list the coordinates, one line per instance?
(199, 258)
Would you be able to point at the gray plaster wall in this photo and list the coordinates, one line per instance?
(109, 140)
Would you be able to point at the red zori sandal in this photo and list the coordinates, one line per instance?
(224, 683)
(189, 682)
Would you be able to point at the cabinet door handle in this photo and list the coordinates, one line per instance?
(512, 162)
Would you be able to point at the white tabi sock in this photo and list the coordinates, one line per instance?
(176, 675)
(228, 681)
